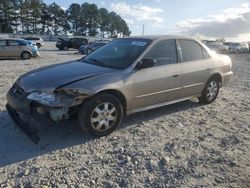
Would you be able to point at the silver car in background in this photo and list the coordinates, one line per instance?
(125, 76)
(37, 40)
(236, 48)
(17, 48)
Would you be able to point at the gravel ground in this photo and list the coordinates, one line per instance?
(181, 145)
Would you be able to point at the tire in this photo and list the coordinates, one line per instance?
(38, 45)
(25, 55)
(237, 52)
(210, 92)
(101, 115)
(65, 48)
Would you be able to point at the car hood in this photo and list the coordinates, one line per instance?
(54, 76)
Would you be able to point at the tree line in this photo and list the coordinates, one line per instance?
(37, 17)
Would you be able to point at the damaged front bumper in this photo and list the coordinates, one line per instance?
(33, 117)
(30, 125)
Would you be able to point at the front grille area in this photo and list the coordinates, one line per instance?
(17, 91)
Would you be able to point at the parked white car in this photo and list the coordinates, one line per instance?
(38, 40)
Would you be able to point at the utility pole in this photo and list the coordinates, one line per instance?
(143, 29)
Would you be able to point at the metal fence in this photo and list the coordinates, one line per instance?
(44, 37)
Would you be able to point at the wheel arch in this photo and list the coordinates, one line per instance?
(117, 94)
(218, 77)
(26, 51)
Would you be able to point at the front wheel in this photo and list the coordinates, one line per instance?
(210, 91)
(101, 115)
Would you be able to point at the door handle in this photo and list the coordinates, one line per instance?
(176, 75)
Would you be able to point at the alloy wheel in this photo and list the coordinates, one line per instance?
(103, 117)
(26, 55)
(212, 90)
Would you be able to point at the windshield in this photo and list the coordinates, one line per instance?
(118, 54)
(235, 44)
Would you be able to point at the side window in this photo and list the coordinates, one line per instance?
(205, 53)
(191, 50)
(163, 52)
(13, 43)
(3, 43)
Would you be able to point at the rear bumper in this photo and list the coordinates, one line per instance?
(226, 78)
(35, 54)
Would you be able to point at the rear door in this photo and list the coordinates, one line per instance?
(197, 66)
(3, 48)
(14, 48)
(160, 83)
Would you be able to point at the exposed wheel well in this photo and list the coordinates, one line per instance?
(119, 95)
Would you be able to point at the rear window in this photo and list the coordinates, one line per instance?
(191, 50)
(17, 42)
(2, 42)
(13, 43)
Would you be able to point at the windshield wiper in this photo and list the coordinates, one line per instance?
(97, 61)
(92, 61)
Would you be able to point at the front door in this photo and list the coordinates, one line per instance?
(161, 83)
(14, 48)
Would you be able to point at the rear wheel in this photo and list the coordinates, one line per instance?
(65, 48)
(38, 45)
(210, 91)
(25, 55)
(101, 115)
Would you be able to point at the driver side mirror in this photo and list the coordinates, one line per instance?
(145, 63)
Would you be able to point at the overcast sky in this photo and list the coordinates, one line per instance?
(203, 18)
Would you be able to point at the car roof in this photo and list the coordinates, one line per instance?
(160, 37)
